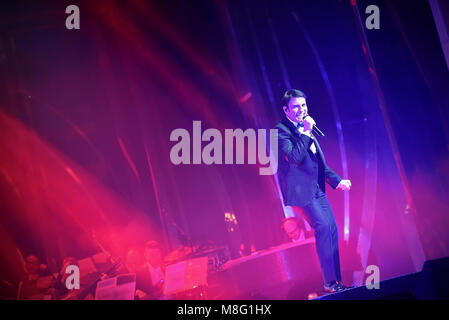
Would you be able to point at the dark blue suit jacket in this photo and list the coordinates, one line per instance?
(299, 170)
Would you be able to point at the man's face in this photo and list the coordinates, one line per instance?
(134, 260)
(292, 230)
(297, 108)
(153, 256)
(32, 265)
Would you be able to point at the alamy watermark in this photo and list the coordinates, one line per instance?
(373, 20)
(372, 281)
(73, 279)
(213, 151)
(73, 20)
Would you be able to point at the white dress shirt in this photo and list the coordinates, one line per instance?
(156, 274)
(301, 131)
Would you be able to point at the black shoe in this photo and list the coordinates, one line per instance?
(335, 287)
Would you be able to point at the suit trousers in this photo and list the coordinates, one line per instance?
(319, 215)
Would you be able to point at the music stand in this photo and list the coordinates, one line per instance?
(186, 275)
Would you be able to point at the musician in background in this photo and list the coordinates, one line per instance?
(155, 264)
(37, 282)
(60, 285)
(293, 229)
(149, 268)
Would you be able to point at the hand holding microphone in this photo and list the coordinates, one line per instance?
(309, 125)
(308, 122)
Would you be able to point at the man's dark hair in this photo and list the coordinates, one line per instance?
(292, 93)
(289, 219)
(152, 244)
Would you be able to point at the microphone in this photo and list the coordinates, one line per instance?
(315, 128)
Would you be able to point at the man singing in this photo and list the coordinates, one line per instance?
(302, 175)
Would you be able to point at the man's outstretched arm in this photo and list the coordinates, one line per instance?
(335, 181)
(332, 178)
